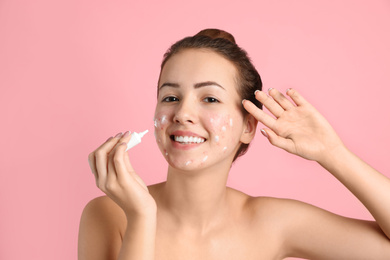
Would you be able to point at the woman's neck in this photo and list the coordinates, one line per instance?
(197, 199)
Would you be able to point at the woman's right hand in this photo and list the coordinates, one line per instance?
(116, 177)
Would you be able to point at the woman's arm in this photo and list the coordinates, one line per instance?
(300, 129)
(128, 202)
(368, 185)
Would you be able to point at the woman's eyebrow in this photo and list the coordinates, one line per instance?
(197, 85)
(208, 83)
(168, 84)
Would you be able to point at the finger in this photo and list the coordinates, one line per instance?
(129, 168)
(259, 114)
(101, 159)
(278, 141)
(115, 162)
(296, 97)
(269, 103)
(92, 163)
(91, 158)
(123, 168)
(111, 164)
(128, 164)
(280, 99)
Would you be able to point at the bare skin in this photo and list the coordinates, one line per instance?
(193, 215)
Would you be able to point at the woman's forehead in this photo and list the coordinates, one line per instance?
(198, 65)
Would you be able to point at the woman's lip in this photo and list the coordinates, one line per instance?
(186, 133)
(185, 146)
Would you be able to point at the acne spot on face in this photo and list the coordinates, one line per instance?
(231, 122)
(164, 119)
(224, 128)
(160, 122)
(224, 149)
(217, 138)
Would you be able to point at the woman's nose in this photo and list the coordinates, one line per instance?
(185, 113)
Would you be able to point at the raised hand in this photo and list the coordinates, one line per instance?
(117, 179)
(296, 127)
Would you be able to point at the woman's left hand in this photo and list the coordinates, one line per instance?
(296, 127)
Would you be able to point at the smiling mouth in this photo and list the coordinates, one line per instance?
(187, 139)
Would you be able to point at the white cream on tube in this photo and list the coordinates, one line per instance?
(135, 139)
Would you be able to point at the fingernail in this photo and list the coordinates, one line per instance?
(126, 134)
(256, 91)
(287, 90)
(118, 135)
(270, 89)
(264, 133)
(109, 139)
(243, 101)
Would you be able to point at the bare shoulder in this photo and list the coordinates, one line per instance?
(260, 210)
(310, 232)
(275, 213)
(287, 213)
(284, 208)
(101, 230)
(104, 210)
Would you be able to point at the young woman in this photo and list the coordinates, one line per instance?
(206, 115)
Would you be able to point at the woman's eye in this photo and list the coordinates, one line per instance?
(170, 99)
(211, 100)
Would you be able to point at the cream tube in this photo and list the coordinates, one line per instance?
(135, 139)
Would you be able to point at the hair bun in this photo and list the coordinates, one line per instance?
(216, 33)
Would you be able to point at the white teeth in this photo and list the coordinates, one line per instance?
(189, 139)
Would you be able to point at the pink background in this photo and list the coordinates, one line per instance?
(73, 73)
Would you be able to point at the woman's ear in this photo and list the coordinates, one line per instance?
(249, 129)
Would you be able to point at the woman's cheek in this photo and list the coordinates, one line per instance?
(160, 121)
(222, 128)
(160, 125)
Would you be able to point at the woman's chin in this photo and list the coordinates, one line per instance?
(186, 164)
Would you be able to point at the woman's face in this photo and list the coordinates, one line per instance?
(198, 119)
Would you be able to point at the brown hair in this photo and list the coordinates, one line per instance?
(223, 43)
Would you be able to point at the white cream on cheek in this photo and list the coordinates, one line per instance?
(160, 121)
(218, 126)
(164, 120)
(222, 128)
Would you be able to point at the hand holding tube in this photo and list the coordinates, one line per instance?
(116, 177)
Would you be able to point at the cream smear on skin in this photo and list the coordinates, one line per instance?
(160, 122)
